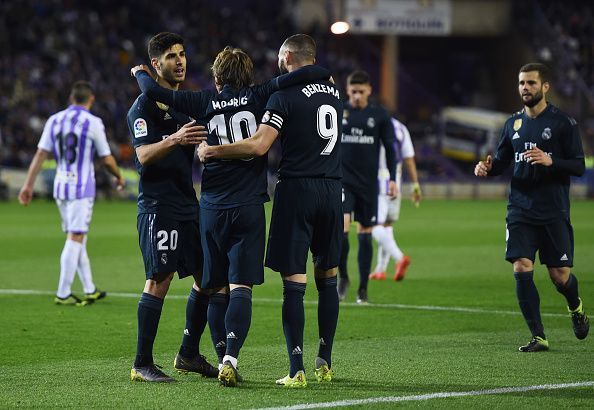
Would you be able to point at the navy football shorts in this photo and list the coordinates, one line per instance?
(169, 245)
(307, 215)
(362, 204)
(233, 245)
(553, 241)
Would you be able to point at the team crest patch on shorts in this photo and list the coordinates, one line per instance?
(140, 128)
(164, 258)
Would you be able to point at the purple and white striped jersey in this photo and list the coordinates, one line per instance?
(73, 136)
(404, 149)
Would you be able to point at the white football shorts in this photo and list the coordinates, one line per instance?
(76, 214)
(388, 209)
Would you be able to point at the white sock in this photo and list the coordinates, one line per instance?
(231, 359)
(392, 248)
(382, 259)
(68, 262)
(385, 238)
(84, 269)
(385, 259)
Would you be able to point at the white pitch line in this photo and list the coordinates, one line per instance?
(310, 302)
(430, 396)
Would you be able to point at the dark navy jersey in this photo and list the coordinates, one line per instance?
(309, 119)
(231, 115)
(165, 186)
(540, 194)
(363, 132)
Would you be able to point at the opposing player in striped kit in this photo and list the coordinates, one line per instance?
(73, 136)
(388, 209)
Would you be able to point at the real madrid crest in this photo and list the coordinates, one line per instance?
(370, 122)
(547, 134)
(517, 124)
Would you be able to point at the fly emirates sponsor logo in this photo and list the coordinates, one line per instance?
(527, 146)
(356, 137)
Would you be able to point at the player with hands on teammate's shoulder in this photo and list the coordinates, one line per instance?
(188, 134)
(142, 67)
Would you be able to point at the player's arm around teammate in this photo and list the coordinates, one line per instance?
(315, 186)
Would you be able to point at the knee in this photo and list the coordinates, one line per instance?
(523, 265)
(159, 286)
(76, 237)
(364, 229)
(323, 274)
(376, 232)
(559, 276)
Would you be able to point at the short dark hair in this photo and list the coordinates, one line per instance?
(233, 67)
(161, 42)
(543, 71)
(302, 45)
(358, 77)
(81, 92)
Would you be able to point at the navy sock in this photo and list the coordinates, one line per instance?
(570, 291)
(364, 258)
(238, 319)
(529, 302)
(344, 257)
(149, 313)
(196, 309)
(293, 323)
(217, 309)
(327, 316)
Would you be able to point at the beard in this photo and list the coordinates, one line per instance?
(282, 67)
(171, 78)
(534, 100)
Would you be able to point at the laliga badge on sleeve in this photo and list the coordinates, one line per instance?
(140, 128)
(517, 124)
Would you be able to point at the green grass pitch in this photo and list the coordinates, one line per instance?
(452, 325)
